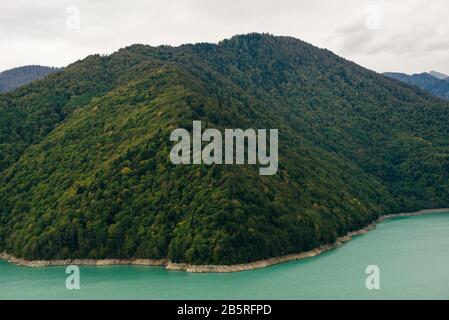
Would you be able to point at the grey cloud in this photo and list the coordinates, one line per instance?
(35, 31)
(422, 29)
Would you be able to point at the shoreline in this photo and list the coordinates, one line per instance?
(214, 268)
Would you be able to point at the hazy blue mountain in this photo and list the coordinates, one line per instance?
(439, 75)
(17, 77)
(432, 82)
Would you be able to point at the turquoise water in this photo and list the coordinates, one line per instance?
(412, 254)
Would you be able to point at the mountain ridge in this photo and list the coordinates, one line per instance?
(14, 78)
(435, 84)
(439, 75)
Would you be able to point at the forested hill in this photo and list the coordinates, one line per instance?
(84, 153)
(17, 77)
(438, 86)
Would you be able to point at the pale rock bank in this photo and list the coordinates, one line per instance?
(213, 268)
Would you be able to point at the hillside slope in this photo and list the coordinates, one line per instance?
(91, 176)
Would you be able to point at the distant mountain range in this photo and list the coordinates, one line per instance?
(434, 82)
(439, 75)
(17, 77)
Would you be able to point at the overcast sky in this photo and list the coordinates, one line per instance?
(388, 35)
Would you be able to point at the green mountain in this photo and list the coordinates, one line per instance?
(17, 77)
(432, 82)
(84, 153)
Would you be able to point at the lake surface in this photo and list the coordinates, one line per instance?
(412, 254)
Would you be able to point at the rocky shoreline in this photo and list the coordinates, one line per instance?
(213, 268)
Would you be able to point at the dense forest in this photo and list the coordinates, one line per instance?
(85, 168)
(17, 77)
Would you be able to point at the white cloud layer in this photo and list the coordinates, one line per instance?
(386, 35)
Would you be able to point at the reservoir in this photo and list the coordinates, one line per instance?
(411, 253)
